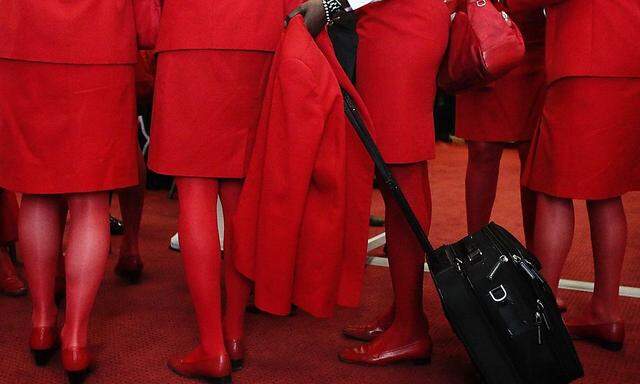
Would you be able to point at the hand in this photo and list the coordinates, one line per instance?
(313, 13)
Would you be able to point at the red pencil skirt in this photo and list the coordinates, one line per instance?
(67, 128)
(206, 111)
(401, 45)
(587, 146)
(507, 110)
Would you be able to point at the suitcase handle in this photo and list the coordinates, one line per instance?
(354, 116)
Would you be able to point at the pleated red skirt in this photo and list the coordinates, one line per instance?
(507, 110)
(401, 45)
(67, 128)
(206, 110)
(587, 146)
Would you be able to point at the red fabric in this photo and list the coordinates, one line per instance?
(298, 178)
(399, 88)
(508, 109)
(145, 77)
(206, 110)
(589, 37)
(67, 128)
(587, 144)
(8, 217)
(75, 32)
(222, 24)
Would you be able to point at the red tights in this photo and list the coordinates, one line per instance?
(406, 257)
(41, 231)
(200, 247)
(481, 183)
(553, 238)
(131, 203)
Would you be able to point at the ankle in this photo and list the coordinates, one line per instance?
(604, 311)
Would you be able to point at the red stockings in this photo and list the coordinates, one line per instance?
(483, 169)
(553, 238)
(131, 203)
(200, 246)
(41, 231)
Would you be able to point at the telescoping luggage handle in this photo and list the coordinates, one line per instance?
(383, 171)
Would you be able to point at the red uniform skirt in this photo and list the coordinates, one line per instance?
(67, 128)
(587, 146)
(206, 111)
(507, 110)
(401, 45)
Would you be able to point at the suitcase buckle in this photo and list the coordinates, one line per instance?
(498, 294)
(474, 255)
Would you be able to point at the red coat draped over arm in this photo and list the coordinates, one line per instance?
(302, 221)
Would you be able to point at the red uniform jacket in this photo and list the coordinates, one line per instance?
(8, 217)
(77, 32)
(589, 37)
(302, 220)
(222, 24)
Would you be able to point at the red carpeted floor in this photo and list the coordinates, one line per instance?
(135, 328)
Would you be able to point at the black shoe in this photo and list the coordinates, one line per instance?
(376, 221)
(116, 226)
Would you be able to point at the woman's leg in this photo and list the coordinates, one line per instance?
(407, 338)
(527, 198)
(85, 262)
(200, 246)
(237, 286)
(131, 203)
(553, 235)
(40, 239)
(609, 239)
(483, 168)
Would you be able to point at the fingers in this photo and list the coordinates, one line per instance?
(300, 10)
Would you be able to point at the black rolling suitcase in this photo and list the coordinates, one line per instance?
(493, 296)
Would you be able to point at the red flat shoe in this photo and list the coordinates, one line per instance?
(129, 268)
(76, 362)
(212, 369)
(235, 349)
(609, 336)
(370, 331)
(376, 354)
(43, 342)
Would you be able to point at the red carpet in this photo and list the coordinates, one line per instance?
(136, 328)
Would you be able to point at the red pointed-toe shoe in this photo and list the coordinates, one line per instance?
(609, 336)
(235, 349)
(211, 369)
(129, 268)
(43, 342)
(378, 354)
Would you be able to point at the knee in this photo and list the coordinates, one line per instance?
(484, 154)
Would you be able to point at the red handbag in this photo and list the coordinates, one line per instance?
(484, 44)
(147, 18)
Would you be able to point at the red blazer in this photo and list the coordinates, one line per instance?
(8, 217)
(76, 32)
(222, 24)
(589, 37)
(309, 174)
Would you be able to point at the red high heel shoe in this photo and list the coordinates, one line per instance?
(76, 362)
(235, 349)
(609, 336)
(377, 354)
(212, 369)
(129, 268)
(43, 342)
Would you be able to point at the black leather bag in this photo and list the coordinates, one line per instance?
(493, 296)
